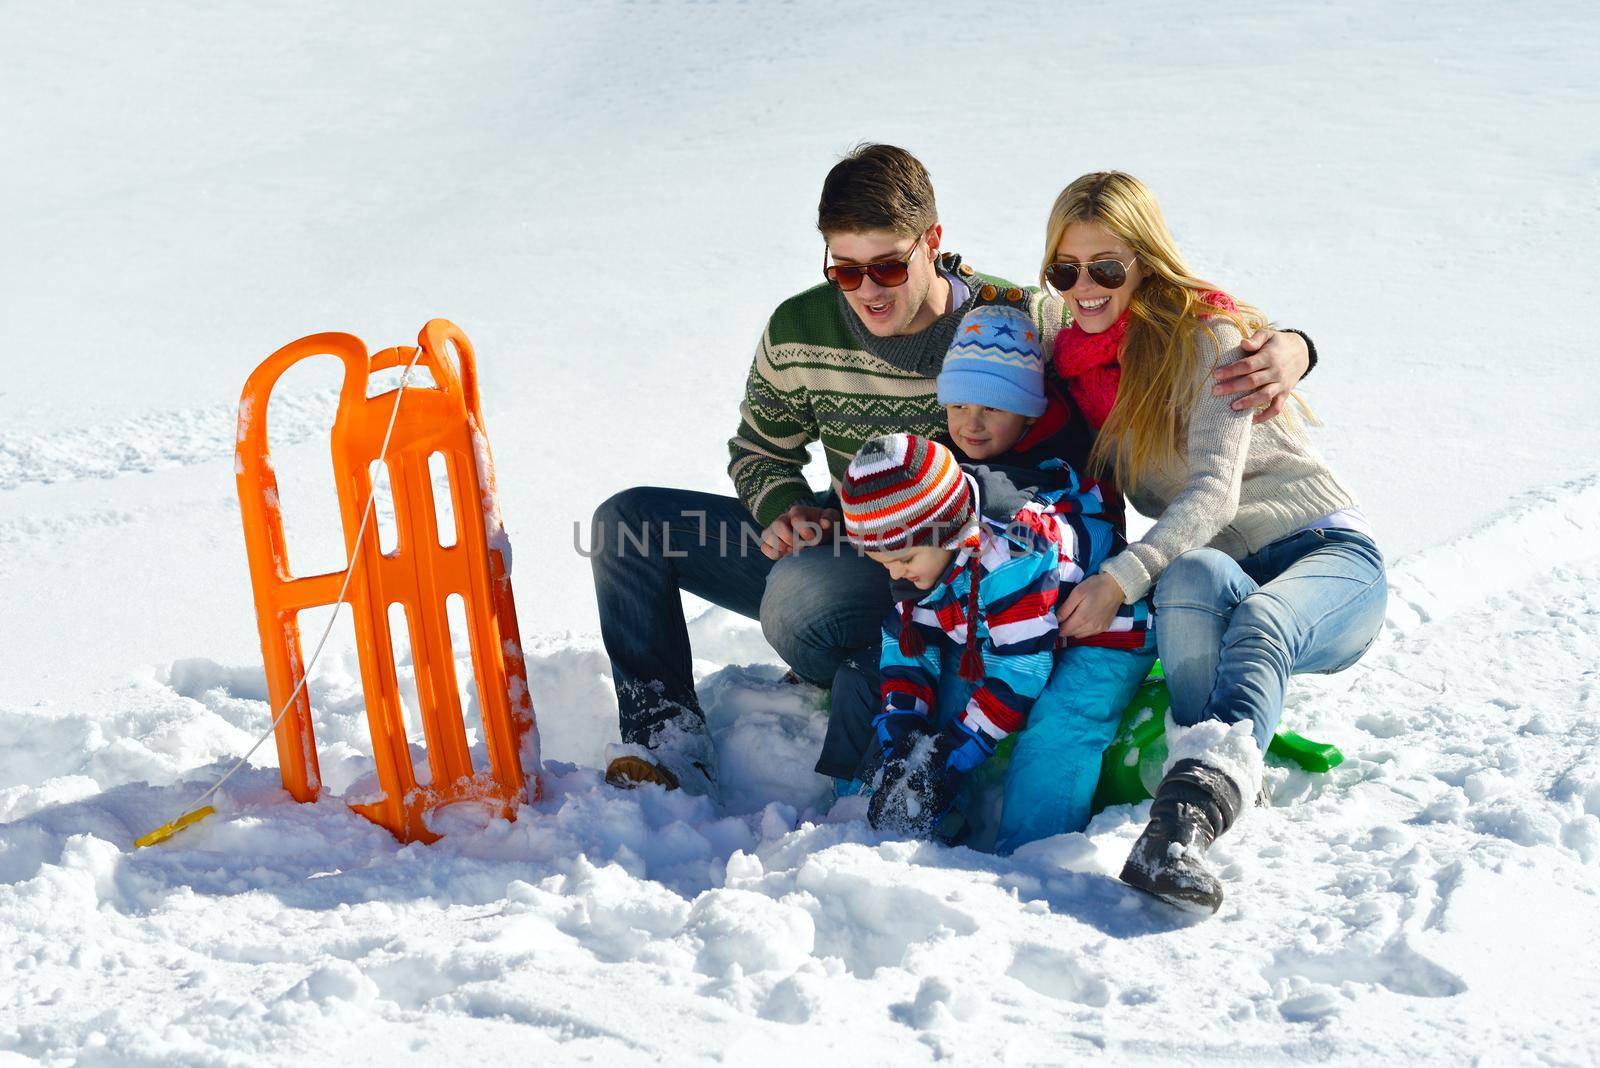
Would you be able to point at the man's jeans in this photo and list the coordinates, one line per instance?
(1230, 633)
(648, 544)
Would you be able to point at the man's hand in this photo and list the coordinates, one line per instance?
(1280, 359)
(1090, 607)
(802, 526)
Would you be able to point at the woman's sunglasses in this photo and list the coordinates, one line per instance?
(1108, 274)
(888, 274)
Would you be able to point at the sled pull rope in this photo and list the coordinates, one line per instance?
(199, 810)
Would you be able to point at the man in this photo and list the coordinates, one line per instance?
(840, 363)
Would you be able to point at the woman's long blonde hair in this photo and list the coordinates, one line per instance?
(1159, 354)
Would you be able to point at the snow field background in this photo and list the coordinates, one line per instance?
(609, 200)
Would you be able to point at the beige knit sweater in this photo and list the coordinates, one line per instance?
(1236, 488)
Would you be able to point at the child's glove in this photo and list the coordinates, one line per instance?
(897, 730)
(916, 791)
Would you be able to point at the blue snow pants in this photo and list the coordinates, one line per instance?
(1055, 765)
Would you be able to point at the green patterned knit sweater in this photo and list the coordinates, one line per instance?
(819, 375)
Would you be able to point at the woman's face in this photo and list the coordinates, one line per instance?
(1094, 308)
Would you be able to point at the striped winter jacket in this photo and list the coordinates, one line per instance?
(1030, 560)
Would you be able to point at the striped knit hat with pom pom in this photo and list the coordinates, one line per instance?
(903, 491)
(900, 492)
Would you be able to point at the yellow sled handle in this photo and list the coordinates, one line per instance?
(167, 830)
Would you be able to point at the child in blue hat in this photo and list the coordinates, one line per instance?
(1012, 434)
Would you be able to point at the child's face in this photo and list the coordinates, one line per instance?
(984, 433)
(922, 565)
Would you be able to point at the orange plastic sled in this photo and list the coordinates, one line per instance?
(419, 574)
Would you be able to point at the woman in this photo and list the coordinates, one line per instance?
(1262, 564)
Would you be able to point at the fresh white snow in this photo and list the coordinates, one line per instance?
(609, 199)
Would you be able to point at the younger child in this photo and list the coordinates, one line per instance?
(988, 578)
(968, 659)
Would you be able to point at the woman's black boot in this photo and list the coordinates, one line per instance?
(1194, 805)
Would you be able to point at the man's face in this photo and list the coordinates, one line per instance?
(888, 311)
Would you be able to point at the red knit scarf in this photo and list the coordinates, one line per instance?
(1091, 366)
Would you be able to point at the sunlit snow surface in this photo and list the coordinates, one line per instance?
(609, 200)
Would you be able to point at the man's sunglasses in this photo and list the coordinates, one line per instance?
(888, 274)
(1108, 274)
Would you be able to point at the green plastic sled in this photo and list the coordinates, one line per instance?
(1131, 770)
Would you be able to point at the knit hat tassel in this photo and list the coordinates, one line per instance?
(911, 643)
(971, 659)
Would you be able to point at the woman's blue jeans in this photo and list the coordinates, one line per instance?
(1231, 632)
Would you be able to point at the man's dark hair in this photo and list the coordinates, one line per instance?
(877, 187)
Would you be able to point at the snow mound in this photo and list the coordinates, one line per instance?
(153, 440)
(1541, 530)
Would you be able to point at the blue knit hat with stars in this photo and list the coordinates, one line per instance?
(996, 360)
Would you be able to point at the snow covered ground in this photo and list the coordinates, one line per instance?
(609, 199)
